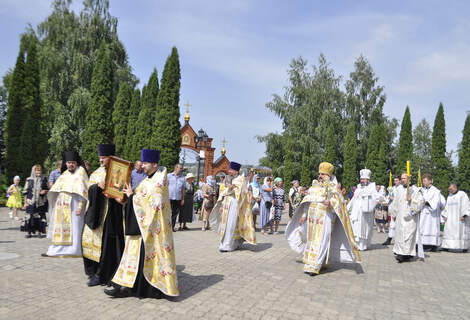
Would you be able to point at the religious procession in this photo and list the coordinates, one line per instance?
(321, 170)
(122, 225)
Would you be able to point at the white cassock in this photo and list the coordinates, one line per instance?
(407, 221)
(391, 228)
(456, 232)
(430, 218)
(361, 209)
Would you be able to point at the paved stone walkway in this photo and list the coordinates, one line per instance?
(258, 282)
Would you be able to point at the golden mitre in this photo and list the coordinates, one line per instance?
(326, 168)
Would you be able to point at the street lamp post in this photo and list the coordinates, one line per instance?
(200, 140)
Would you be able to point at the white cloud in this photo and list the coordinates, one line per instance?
(436, 70)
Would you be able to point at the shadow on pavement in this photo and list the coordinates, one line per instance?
(190, 285)
(7, 241)
(376, 246)
(338, 266)
(11, 228)
(256, 248)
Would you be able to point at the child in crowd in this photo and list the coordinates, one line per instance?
(14, 200)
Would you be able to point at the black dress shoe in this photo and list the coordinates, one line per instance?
(118, 292)
(44, 255)
(387, 242)
(28, 236)
(94, 281)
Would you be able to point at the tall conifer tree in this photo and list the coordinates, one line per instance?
(99, 112)
(167, 134)
(120, 118)
(15, 120)
(33, 140)
(350, 157)
(376, 159)
(146, 122)
(330, 148)
(464, 158)
(439, 162)
(405, 144)
(132, 153)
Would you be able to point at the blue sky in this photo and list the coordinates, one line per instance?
(234, 55)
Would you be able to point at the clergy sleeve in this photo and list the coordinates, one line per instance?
(132, 226)
(433, 198)
(96, 207)
(464, 205)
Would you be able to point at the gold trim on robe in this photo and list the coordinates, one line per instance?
(245, 226)
(153, 213)
(315, 211)
(92, 239)
(67, 184)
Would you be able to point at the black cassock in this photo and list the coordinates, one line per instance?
(142, 288)
(112, 245)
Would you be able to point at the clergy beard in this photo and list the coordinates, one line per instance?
(72, 171)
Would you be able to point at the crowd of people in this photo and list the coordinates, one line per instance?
(127, 242)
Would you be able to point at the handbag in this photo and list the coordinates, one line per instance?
(271, 214)
(268, 204)
(209, 204)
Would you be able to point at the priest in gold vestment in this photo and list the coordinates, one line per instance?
(103, 233)
(320, 229)
(67, 201)
(232, 217)
(147, 268)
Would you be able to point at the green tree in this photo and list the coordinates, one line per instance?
(350, 157)
(405, 144)
(15, 119)
(422, 147)
(70, 123)
(67, 52)
(120, 118)
(33, 140)
(312, 102)
(463, 172)
(440, 164)
(330, 150)
(288, 165)
(377, 154)
(365, 100)
(3, 117)
(146, 121)
(275, 151)
(132, 152)
(167, 133)
(99, 112)
(306, 176)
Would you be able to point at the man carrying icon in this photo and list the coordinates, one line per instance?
(147, 268)
(103, 234)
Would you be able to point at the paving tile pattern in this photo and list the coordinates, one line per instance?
(259, 282)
